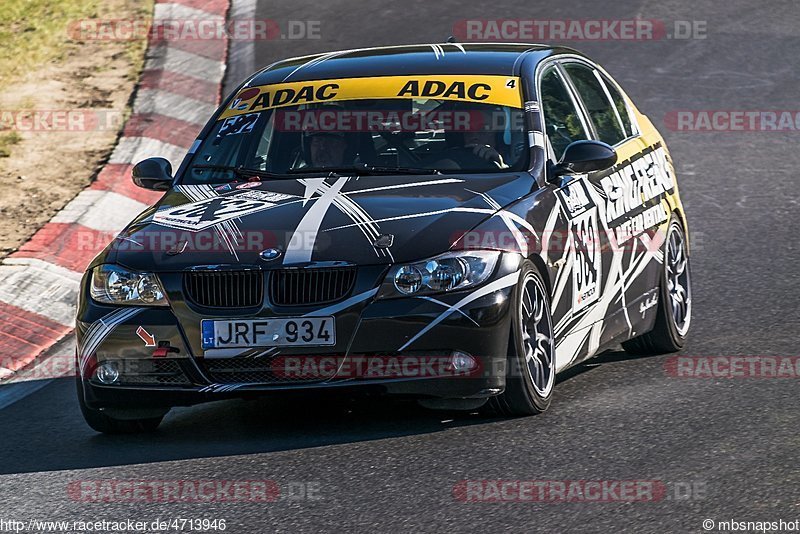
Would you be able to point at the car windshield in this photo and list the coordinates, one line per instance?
(365, 136)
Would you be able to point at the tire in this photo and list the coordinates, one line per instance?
(105, 424)
(674, 314)
(530, 370)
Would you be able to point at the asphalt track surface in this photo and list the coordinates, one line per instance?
(391, 466)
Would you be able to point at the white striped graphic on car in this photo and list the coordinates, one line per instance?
(297, 250)
(501, 283)
(357, 214)
(99, 331)
(586, 325)
(227, 231)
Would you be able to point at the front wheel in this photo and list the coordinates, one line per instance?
(675, 295)
(531, 365)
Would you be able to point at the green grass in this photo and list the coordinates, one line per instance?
(36, 32)
(7, 141)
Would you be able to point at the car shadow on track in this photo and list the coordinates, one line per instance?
(46, 432)
(611, 356)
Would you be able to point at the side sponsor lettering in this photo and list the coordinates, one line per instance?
(634, 193)
(640, 222)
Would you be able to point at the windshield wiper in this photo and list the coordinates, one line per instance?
(361, 169)
(240, 172)
(380, 169)
(325, 170)
(364, 169)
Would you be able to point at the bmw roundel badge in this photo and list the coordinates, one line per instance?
(270, 254)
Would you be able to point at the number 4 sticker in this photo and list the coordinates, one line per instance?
(511, 83)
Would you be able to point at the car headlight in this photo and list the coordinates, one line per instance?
(448, 272)
(112, 284)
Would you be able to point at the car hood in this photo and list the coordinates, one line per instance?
(364, 220)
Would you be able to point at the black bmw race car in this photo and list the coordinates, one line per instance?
(454, 223)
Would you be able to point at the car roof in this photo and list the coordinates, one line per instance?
(420, 59)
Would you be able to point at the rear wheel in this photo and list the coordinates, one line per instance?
(102, 422)
(531, 367)
(674, 314)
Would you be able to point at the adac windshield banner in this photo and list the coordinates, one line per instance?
(478, 89)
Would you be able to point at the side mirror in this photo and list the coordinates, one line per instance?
(585, 156)
(153, 173)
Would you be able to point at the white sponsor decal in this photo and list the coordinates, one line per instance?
(587, 266)
(631, 186)
(575, 197)
(587, 262)
(647, 304)
(209, 212)
(241, 124)
(640, 222)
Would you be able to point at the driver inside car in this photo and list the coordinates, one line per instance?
(482, 144)
(326, 149)
(483, 139)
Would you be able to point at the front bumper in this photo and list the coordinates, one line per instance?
(389, 331)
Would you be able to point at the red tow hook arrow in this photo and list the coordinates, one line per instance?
(149, 340)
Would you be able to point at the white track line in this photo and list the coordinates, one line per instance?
(173, 106)
(50, 290)
(181, 12)
(105, 211)
(186, 63)
(135, 149)
(40, 287)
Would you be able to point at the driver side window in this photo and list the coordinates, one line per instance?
(561, 119)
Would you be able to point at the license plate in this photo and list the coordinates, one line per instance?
(238, 333)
